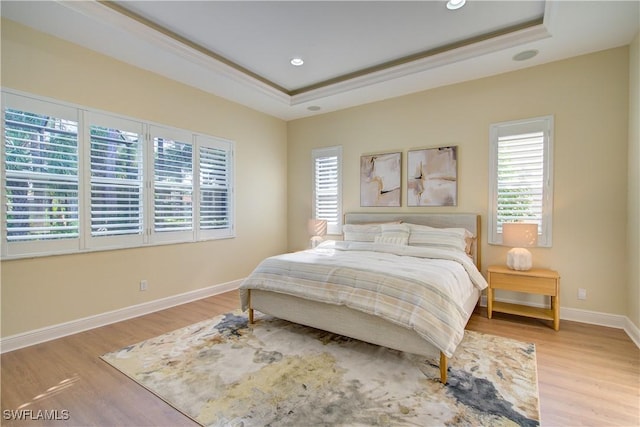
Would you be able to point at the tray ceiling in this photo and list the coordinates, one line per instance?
(354, 51)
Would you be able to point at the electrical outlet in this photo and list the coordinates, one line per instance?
(582, 293)
(143, 285)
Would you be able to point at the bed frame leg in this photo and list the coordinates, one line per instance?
(251, 316)
(443, 368)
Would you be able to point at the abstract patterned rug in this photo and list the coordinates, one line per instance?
(222, 372)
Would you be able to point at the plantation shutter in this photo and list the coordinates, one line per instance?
(327, 204)
(116, 182)
(215, 184)
(521, 178)
(41, 176)
(74, 180)
(172, 184)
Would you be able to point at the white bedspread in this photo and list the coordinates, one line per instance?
(419, 288)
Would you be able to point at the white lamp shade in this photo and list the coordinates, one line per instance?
(317, 227)
(519, 234)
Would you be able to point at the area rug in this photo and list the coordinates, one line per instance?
(224, 372)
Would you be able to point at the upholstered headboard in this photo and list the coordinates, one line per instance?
(470, 221)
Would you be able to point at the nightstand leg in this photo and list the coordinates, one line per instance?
(555, 306)
(489, 302)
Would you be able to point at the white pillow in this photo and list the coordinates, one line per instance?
(397, 234)
(393, 240)
(448, 238)
(361, 232)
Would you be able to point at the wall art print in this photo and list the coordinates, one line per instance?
(432, 177)
(380, 176)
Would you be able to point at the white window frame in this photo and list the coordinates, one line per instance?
(333, 227)
(544, 124)
(85, 242)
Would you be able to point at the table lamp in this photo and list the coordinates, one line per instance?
(519, 235)
(317, 229)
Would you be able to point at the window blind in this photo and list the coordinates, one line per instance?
(520, 178)
(41, 176)
(215, 185)
(116, 182)
(173, 185)
(327, 188)
(75, 180)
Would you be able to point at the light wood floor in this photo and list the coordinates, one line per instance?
(588, 375)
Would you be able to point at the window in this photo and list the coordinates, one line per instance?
(41, 179)
(215, 207)
(75, 180)
(521, 181)
(116, 196)
(327, 187)
(172, 185)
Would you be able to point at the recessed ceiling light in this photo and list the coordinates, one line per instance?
(524, 55)
(455, 4)
(313, 108)
(296, 62)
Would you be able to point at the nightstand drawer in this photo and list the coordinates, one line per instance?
(535, 281)
(532, 285)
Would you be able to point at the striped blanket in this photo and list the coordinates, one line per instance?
(419, 288)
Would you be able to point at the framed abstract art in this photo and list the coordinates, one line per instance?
(432, 177)
(380, 179)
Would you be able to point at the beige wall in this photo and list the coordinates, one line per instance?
(46, 291)
(595, 196)
(588, 95)
(634, 182)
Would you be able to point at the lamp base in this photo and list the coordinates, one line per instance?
(315, 241)
(519, 259)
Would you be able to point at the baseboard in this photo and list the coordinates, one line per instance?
(585, 316)
(633, 331)
(15, 342)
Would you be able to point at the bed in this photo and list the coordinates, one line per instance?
(294, 286)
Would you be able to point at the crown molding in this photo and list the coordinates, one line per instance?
(105, 12)
(427, 62)
(137, 26)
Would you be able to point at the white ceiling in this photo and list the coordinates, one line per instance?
(355, 52)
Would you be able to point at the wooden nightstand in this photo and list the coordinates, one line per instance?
(535, 281)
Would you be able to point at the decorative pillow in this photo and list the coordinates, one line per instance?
(469, 242)
(393, 240)
(363, 232)
(397, 234)
(451, 238)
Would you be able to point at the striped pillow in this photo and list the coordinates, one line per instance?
(361, 232)
(397, 234)
(364, 232)
(446, 238)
